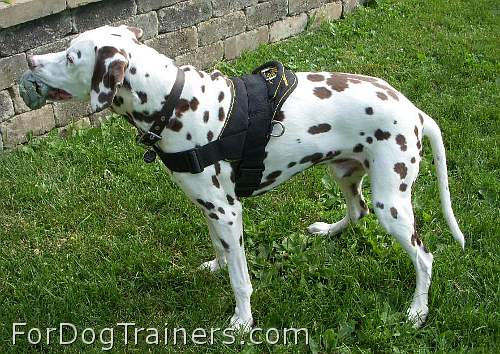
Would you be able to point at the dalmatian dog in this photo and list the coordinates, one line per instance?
(356, 125)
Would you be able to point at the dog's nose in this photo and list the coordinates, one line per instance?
(31, 62)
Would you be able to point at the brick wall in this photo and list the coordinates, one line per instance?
(198, 32)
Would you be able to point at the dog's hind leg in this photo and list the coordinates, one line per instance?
(391, 194)
(349, 175)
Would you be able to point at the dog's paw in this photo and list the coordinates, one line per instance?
(212, 266)
(319, 228)
(417, 315)
(240, 325)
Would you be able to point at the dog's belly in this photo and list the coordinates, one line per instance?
(334, 117)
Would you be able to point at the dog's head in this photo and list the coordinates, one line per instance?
(92, 68)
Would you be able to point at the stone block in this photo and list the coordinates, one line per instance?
(265, 13)
(220, 28)
(148, 5)
(349, 6)
(288, 27)
(77, 125)
(184, 14)
(175, 43)
(27, 10)
(331, 11)
(102, 13)
(11, 69)
(53, 47)
(234, 46)
(33, 34)
(96, 119)
(16, 130)
(76, 3)
(203, 57)
(19, 105)
(299, 6)
(147, 22)
(223, 7)
(6, 106)
(69, 112)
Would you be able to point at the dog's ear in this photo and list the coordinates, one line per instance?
(138, 32)
(109, 72)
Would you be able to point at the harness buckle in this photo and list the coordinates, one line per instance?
(194, 161)
(269, 73)
(148, 137)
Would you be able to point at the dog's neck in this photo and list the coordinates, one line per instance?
(200, 112)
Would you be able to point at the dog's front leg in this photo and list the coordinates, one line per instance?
(230, 237)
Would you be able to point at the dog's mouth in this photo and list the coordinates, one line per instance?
(35, 92)
(56, 94)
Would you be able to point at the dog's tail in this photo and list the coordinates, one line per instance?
(432, 131)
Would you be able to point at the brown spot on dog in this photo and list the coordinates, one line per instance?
(358, 148)
(105, 97)
(334, 153)
(362, 133)
(222, 115)
(181, 107)
(210, 135)
(315, 77)
(413, 160)
(118, 101)
(381, 135)
(146, 75)
(215, 181)
(415, 130)
(206, 116)
(174, 124)
(382, 96)
(312, 158)
(369, 110)
(320, 128)
(194, 104)
(215, 75)
(221, 96)
(241, 240)
(380, 205)
(133, 70)
(291, 164)
(207, 205)
(186, 69)
(203, 88)
(217, 168)
(322, 92)
(221, 210)
(230, 199)
(213, 216)
(232, 176)
(394, 212)
(401, 141)
(188, 136)
(280, 116)
(273, 175)
(369, 140)
(403, 187)
(367, 164)
(266, 183)
(224, 244)
(421, 118)
(142, 96)
(401, 169)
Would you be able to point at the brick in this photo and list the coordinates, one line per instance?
(16, 130)
(147, 22)
(148, 5)
(203, 57)
(69, 112)
(220, 28)
(19, 105)
(96, 119)
(265, 13)
(32, 34)
(53, 47)
(287, 27)
(75, 126)
(331, 11)
(27, 10)
(298, 6)
(6, 106)
(102, 13)
(175, 43)
(349, 6)
(223, 7)
(234, 46)
(11, 69)
(76, 3)
(184, 14)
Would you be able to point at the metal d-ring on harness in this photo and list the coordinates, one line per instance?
(257, 98)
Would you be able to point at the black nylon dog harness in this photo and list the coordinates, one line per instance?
(258, 97)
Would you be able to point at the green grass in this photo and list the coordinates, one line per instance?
(93, 236)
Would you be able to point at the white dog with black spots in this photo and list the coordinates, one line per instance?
(356, 125)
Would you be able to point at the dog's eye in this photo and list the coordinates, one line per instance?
(69, 59)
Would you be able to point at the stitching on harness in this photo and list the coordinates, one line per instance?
(292, 86)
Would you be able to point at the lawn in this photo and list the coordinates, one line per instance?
(91, 235)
